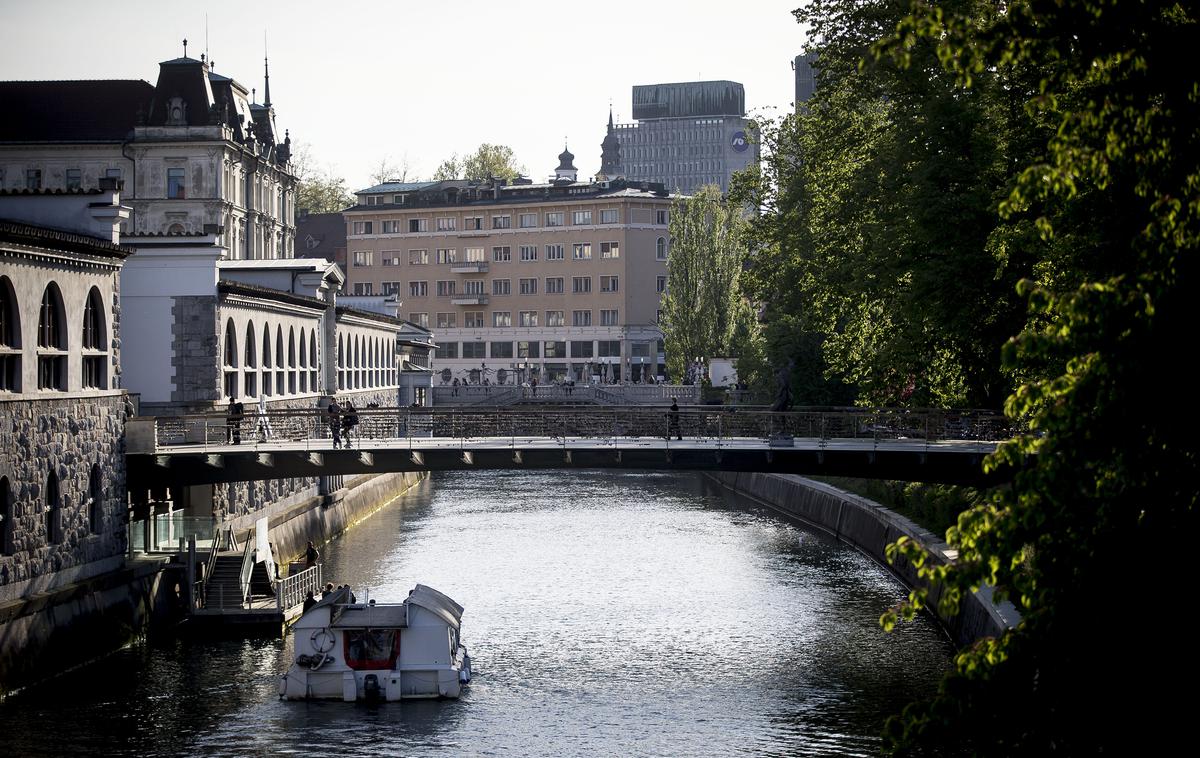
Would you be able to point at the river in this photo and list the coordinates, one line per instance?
(607, 613)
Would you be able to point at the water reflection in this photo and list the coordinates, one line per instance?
(607, 613)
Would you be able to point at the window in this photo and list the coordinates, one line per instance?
(398, 199)
(528, 286)
(660, 218)
(447, 320)
(447, 350)
(363, 227)
(554, 252)
(658, 316)
(581, 349)
(501, 286)
(608, 317)
(501, 349)
(501, 254)
(363, 257)
(364, 288)
(474, 350)
(473, 223)
(527, 220)
(553, 349)
(10, 341)
(581, 318)
(529, 253)
(582, 251)
(660, 284)
(581, 285)
(608, 284)
(528, 318)
(175, 188)
(660, 249)
(391, 227)
(52, 341)
(390, 288)
(420, 319)
(445, 288)
(609, 348)
(446, 224)
(501, 222)
(555, 219)
(473, 320)
(74, 178)
(446, 254)
(474, 255)
(528, 349)
(418, 225)
(418, 289)
(610, 216)
(418, 257)
(501, 318)
(554, 285)
(555, 318)
(610, 249)
(581, 217)
(374, 200)
(94, 342)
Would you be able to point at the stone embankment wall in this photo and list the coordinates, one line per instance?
(870, 527)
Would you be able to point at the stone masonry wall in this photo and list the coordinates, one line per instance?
(195, 350)
(67, 436)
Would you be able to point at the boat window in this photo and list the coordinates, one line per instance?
(371, 648)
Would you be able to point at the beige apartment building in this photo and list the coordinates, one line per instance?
(521, 281)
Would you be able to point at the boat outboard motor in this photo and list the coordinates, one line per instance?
(371, 691)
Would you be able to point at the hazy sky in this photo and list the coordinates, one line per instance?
(417, 81)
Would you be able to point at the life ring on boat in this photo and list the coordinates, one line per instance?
(319, 637)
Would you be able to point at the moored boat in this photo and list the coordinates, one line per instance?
(351, 651)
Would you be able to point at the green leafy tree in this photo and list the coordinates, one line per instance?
(703, 301)
(487, 161)
(1093, 542)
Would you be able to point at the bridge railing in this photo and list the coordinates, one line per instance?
(719, 424)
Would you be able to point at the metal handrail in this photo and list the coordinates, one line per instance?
(247, 569)
(721, 424)
(292, 590)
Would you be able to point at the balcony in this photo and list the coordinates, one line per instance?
(465, 299)
(469, 268)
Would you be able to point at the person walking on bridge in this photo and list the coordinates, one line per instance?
(673, 421)
(333, 414)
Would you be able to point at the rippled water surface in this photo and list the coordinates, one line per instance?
(606, 614)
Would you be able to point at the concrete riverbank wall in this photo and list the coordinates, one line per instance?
(870, 527)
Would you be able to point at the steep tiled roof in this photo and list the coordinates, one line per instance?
(72, 111)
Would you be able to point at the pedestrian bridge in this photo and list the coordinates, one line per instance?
(911, 445)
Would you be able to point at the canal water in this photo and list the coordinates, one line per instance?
(607, 613)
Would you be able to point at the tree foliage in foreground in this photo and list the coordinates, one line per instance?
(1092, 542)
(487, 161)
(703, 307)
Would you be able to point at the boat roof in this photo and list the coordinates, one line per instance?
(438, 604)
(391, 615)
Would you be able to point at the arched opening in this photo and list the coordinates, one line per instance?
(341, 363)
(660, 249)
(95, 499)
(267, 383)
(291, 362)
(280, 380)
(6, 517)
(53, 510)
(95, 342)
(230, 360)
(10, 338)
(251, 385)
(52, 341)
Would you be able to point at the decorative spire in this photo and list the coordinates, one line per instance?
(266, 83)
(185, 47)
